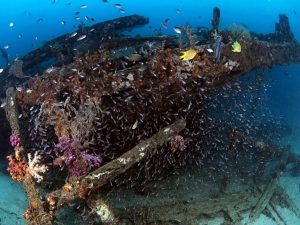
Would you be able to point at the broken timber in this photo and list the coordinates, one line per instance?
(99, 177)
(188, 213)
(268, 192)
(265, 200)
(29, 184)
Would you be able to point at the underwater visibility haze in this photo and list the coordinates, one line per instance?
(150, 112)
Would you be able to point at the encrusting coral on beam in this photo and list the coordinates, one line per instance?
(80, 188)
(19, 166)
(83, 187)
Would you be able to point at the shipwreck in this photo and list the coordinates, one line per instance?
(99, 122)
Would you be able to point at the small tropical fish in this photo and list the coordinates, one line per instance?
(11, 24)
(135, 125)
(210, 50)
(73, 35)
(236, 47)
(81, 37)
(63, 22)
(118, 6)
(188, 55)
(178, 11)
(20, 36)
(177, 30)
(1, 70)
(122, 10)
(6, 47)
(84, 6)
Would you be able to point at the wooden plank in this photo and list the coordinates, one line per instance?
(269, 191)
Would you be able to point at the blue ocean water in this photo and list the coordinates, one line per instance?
(36, 22)
(258, 16)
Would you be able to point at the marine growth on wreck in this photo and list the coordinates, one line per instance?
(106, 127)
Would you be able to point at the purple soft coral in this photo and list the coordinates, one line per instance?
(63, 145)
(78, 162)
(92, 159)
(15, 140)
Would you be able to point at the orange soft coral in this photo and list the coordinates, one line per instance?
(17, 169)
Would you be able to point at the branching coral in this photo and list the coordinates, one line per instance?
(35, 167)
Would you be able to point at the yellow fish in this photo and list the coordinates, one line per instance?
(236, 47)
(188, 55)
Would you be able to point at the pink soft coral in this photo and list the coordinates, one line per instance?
(15, 140)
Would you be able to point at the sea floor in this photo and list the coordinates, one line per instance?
(13, 201)
(292, 187)
(203, 183)
(200, 184)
